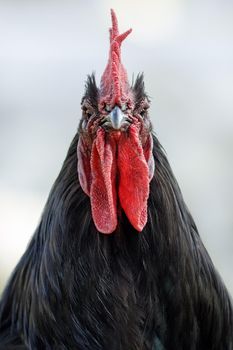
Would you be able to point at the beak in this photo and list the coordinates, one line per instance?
(116, 117)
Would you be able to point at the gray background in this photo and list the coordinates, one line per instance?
(185, 50)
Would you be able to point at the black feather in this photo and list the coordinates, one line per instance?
(75, 288)
(139, 90)
(91, 91)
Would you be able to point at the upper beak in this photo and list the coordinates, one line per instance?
(116, 117)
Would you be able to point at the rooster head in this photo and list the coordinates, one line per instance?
(115, 161)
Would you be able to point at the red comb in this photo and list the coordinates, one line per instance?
(114, 86)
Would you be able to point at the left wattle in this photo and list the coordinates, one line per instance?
(103, 186)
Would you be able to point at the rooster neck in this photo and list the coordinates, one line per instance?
(78, 287)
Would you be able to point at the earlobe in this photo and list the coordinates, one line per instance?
(148, 153)
(83, 166)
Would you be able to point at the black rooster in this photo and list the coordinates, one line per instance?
(116, 262)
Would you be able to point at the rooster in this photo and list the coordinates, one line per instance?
(116, 262)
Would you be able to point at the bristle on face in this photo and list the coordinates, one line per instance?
(114, 86)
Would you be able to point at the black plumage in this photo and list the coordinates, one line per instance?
(75, 288)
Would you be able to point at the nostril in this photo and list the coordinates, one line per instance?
(104, 121)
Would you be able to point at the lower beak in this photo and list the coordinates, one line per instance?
(116, 117)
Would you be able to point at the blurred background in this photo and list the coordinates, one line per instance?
(184, 48)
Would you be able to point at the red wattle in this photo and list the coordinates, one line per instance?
(111, 155)
(103, 186)
(133, 178)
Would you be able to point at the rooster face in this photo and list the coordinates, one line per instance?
(114, 119)
(115, 162)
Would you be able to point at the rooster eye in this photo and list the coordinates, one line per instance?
(86, 112)
(144, 109)
(143, 113)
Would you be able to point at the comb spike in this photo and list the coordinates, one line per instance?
(115, 29)
(123, 36)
